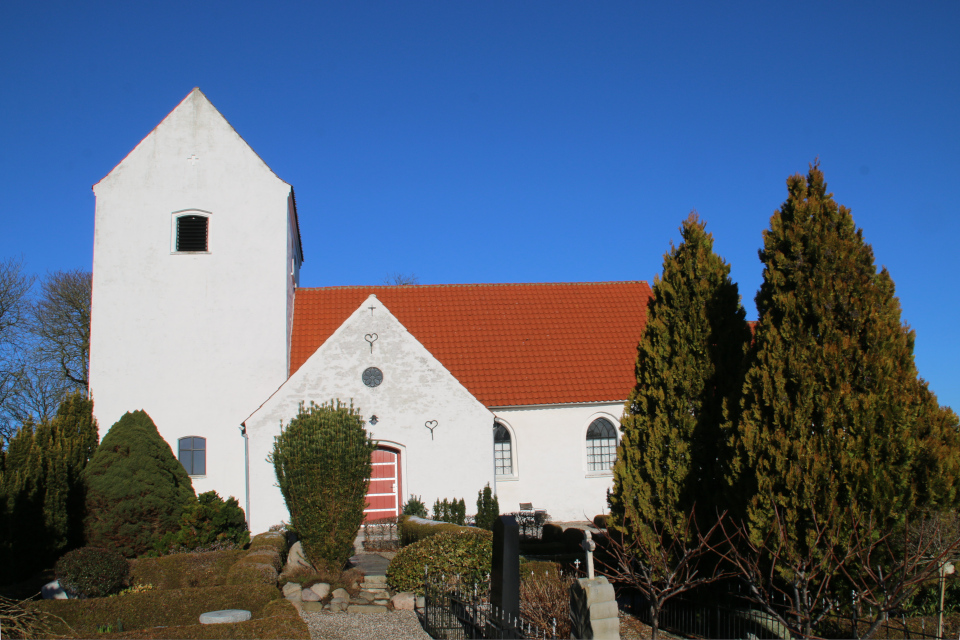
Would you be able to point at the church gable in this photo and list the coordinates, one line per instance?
(410, 401)
(195, 135)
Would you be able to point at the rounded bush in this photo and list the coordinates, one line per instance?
(466, 554)
(92, 572)
(551, 533)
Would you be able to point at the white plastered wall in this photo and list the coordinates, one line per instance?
(455, 462)
(196, 340)
(550, 459)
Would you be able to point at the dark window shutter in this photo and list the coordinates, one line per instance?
(191, 233)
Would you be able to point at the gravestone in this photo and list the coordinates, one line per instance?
(505, 572)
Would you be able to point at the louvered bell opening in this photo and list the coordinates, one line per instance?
(191, 233)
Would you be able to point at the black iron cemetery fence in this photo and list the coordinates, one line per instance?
(706, 617)
(456, 611)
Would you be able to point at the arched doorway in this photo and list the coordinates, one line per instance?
(383, 496)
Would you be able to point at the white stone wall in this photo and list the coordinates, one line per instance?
(456, 462)
(196, 340)
(550, 459)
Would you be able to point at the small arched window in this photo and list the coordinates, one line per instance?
(192, 233)
(193, 455)
(502, 450)
(601, 445)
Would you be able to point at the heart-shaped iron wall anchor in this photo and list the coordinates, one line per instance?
(371, 338)
(431, 424)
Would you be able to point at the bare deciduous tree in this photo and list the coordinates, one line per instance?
(791, 583)
(15, 288)
(662, 565)
(401, 279)
(60, 320)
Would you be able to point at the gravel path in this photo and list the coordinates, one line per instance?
(364, 626)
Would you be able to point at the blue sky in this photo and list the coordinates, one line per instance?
(512, 141)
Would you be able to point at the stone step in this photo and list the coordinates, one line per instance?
(378, 593)
(374, 579)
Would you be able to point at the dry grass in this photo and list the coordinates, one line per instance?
(545, 602)
(17, 621)
(308, 576)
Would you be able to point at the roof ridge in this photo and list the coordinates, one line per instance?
(469, 284)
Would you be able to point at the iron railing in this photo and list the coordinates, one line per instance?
(457, 611)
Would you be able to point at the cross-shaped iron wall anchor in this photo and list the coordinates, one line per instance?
(193, 159)
(431, 424)
(371, 338)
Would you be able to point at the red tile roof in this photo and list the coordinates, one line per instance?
(508, 344)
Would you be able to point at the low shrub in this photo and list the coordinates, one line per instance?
(155, 608)
(414, 507)
(185, 570)
(412, 530)
(551, 533)
(92, 572)
(572, 538)
(601, 521)
(467, 554)
(488, 508)
(453, 511)
(206, 521)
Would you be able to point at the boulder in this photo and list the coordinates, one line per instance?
(312, 606)
(421, 602)
(341, 593)
(296, 559)
(309, 595)
(53, 591)
(224, 615)
(322, 589)
(404, 601)
(339, 604)
(291, 591)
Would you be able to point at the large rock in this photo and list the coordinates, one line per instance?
(309, 595)
(313, 606)
(292, 590)
(224, 615)
(339, 604)
(296, 559)
(341, 593)
(404, 601)
(53, 591)
(322, 589)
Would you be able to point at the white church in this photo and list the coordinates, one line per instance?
(198, 319)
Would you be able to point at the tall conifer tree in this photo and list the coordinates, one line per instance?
(834, 418)
(689, 364)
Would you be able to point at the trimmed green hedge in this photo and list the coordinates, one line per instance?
(279, 619)
(148, 609)
(411, 531)
(466, 553)
(185, 570)
(274, 540)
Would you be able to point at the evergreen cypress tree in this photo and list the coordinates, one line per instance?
(322, 462)
(22, 541)
(136, 489)
(689, 364)
(834, 416)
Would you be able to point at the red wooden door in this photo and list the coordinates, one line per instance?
(383, 496)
